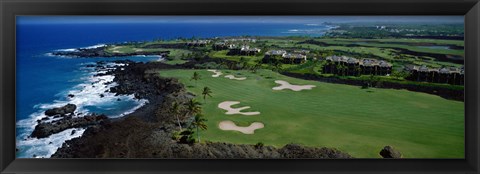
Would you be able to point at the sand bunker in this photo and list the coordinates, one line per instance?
(230, 125)
(217, 73)
(232, 77)
(286, 85)
(227, 105)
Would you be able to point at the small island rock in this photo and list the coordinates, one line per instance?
(67, 109)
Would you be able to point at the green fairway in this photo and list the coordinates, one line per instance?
(358, 121)
(402, 43)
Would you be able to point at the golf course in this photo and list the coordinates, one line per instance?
(354, 120)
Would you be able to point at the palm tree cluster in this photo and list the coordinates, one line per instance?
(192, 107)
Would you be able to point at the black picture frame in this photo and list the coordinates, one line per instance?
(11, 8)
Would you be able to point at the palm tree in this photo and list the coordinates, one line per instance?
(372, 79)
(341, 69)
(206, 92)
(195, 77)
(344, 70)
(358, 69)
(175, 110)
(199, 123)
(193, 107)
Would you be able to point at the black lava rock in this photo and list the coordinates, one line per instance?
(43, 130)
(390, 152)
(67, 109)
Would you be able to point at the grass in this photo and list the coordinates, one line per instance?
(175, 55)
(223, 55)
(402, 43)
(357, 121)
(405, 40)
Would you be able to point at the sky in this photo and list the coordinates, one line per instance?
(232, 19)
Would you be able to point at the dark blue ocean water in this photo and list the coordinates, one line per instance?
(44, 81)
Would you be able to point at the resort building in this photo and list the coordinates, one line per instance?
(273, 55)
(244, 50)
(450, 75)
(296, 57)
(344, 65)
(222, 46)
(198, 43)
(252, 40)
(304, 52)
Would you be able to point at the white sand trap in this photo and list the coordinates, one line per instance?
(232, 77)
(286, 85)
(217, 73)
(230, 125)
(227, 105)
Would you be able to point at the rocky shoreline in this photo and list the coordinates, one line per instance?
(100, 52)
(148, 132)
(45, 129)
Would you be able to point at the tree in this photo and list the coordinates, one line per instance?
(243, 62)
(358, 70)
(196, 77)
(199, 123)
(400, 74)
(175, 110)
(224, 64)
(277, 66)
(341, 69)
(372, 79)
(245, 65)
(193, 107)
(206, 92)
(255, 67)
(344, 70)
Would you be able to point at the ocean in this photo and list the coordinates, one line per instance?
(44, 81)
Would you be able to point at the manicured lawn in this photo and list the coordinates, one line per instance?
(358, 121)
(405, 40)
(223, 55)
(402, 43)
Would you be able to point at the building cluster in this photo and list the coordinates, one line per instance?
(232, 43)
(197, 43)
(341, 65)
(222, 46)
(243, 50)
(295, 57)
(451, 75)
(352, 66)
(251, 40)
